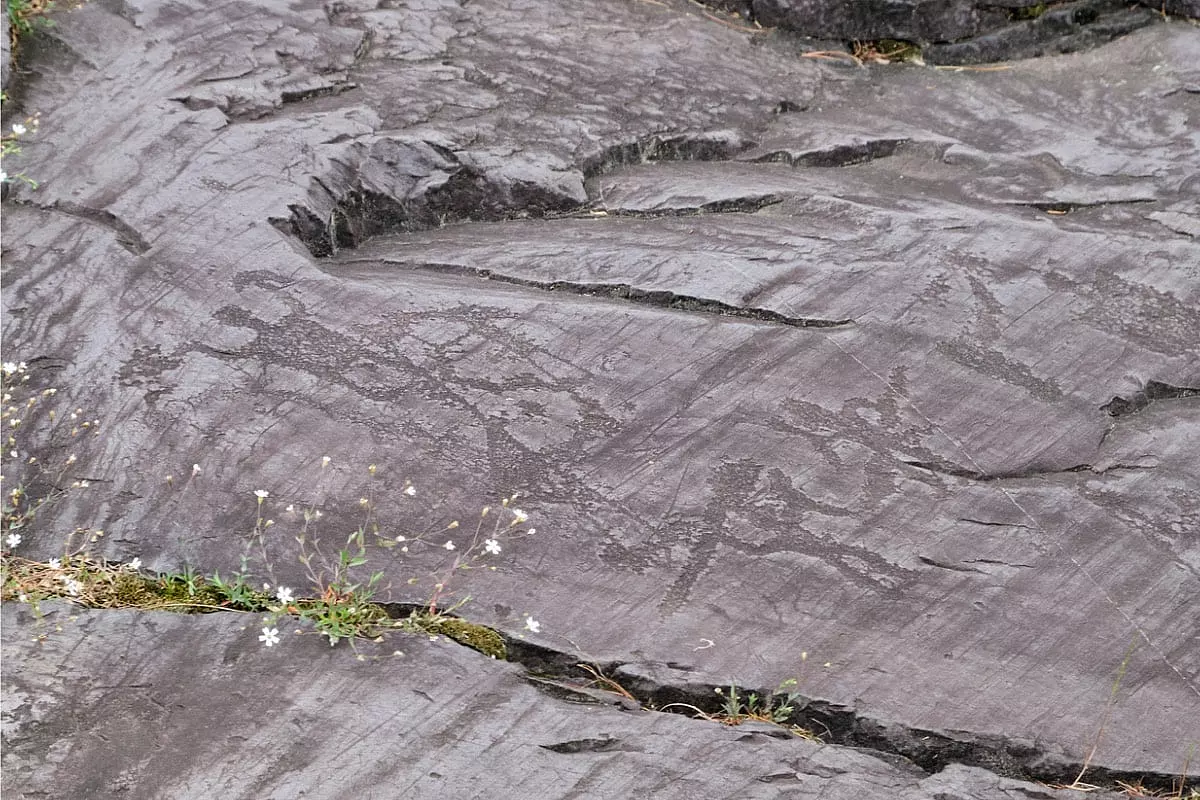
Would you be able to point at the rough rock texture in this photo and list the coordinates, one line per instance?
(786, 356)
(5, 54)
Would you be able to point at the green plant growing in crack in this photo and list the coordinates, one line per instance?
(738, 706)
(10, 146)
(26, 16)
(343, 602)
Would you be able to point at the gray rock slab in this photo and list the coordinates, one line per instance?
(836, 382)
(152, 705)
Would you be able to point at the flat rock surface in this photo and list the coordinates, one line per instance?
(891, 367)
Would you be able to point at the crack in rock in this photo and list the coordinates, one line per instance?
(658, 298)
(722, 145)
(996, 524)
(738, 205)
(572, 746)
(840, 155)
(933, 562)
(1058, 207)
(1153, 390)
(656, 686)
(975, 475)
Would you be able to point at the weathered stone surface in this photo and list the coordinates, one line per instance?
(5, 54)
(836, 381)
(191, 707)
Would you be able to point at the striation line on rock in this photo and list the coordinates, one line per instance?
(658, 298)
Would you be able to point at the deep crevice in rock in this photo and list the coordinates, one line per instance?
(1056, 207)
(738, 205)
(623, 291)
(563, 675)
(843, 155)
(1153, 390)
(975, 475)
(706, 146)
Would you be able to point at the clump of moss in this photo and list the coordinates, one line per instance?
(1028, 12)
(131, 589)
(468, 634)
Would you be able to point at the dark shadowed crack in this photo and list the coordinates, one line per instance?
(623, 291)
(976, 475)
(739, 205)
(673, 688)
(1055, 207)
(707, 146)
(995, 524)
(933, 562)
(842, 155)
(1153, 390)
(603, 745)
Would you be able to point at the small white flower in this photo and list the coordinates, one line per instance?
(54, 563)
(401, 538)
(195, 470)
(492, 546)
(22, 597)
(325, 461)
(410, 491)
(269, 636)
(19, 129)
(291, 509)
(284, 595)
(73, 587)
(3, 178)
(532, 625)
(449, 545)
(9, 368)
(135, 563)
(520, 515)
(261, 495)
(13, 540)
(531, 532)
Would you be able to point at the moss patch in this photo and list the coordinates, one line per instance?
(468, 634)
